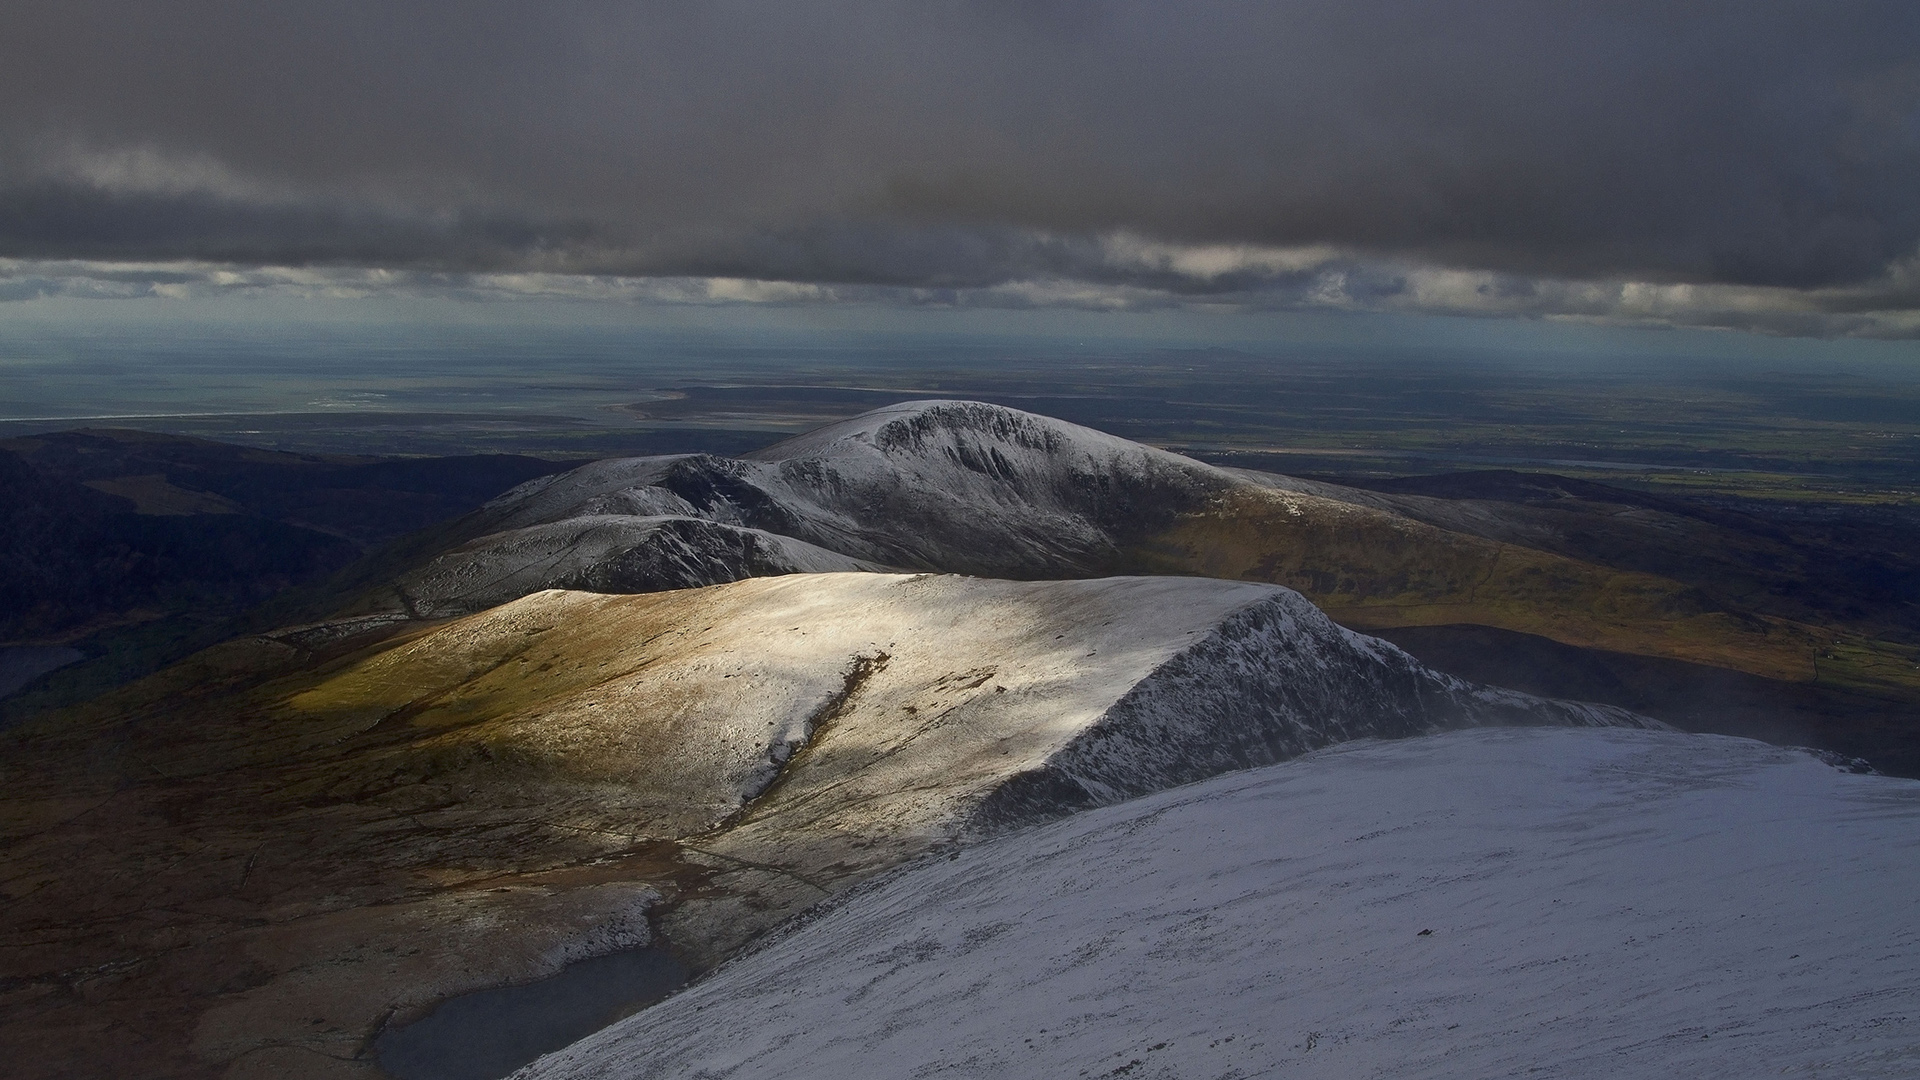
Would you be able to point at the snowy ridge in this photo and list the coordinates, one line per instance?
(976, 488)
(982, 704)
(1276, 679)
(764, 744)
(954, 486)
(943, 486)
(1564, 903)
(609, 553)
(551, 497)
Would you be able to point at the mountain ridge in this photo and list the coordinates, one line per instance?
(694, 766)
(967, 487)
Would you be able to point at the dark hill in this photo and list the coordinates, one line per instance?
(137, 548)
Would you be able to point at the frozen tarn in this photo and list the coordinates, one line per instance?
(1504, 902)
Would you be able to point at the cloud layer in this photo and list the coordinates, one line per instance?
(1747, 164)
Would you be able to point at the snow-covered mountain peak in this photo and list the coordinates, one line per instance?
(912, 428)
(938, 485)
(972, 450)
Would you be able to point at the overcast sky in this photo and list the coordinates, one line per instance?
(1753, 165)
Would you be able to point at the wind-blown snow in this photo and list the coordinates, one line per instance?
(1538, 902)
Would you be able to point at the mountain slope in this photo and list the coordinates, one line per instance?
(75, 557)
(1488, 903)
(1839, 565)
(264, 858)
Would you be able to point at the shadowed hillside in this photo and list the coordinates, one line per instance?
(137, 548)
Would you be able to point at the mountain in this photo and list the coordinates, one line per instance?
(951, 486)
(253, 863)
(966, 487)
(667, 703)
(1478, 903)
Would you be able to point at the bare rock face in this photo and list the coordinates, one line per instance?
(250, 867)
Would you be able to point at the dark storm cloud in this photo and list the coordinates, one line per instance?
(961, 145)
(65, 220)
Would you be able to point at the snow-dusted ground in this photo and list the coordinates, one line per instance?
(1508, 902)
(608, 553)
(573, 773)
(965, 705)
(934, 485)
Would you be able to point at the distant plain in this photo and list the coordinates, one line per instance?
(1823, 430)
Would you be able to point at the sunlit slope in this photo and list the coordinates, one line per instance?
(264, 854)
(966, 487)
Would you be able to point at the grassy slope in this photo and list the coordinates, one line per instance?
(229, 819)
(1373, 570)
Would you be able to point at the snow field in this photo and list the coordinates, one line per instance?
(1494, 902)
